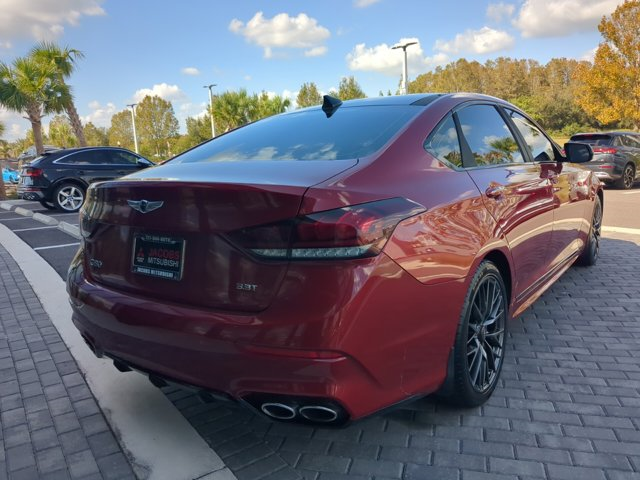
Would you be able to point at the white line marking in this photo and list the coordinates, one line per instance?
(34, 228)
(56, 246)
(635, 192)
(631, 231)
(16, 218)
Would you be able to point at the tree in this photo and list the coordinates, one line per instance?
(610, 89)
(3, 193)
(31, 87)
(63, 61)
(96, 136)
(120, 132)
(156, 124)
(60, 132)
(232, 109)
(349, 89)
(308, 96)
(265, 106)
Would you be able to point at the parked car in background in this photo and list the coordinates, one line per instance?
(325, 263)
(60, 179)
(31, 154)
(616, 156)
(9, 175)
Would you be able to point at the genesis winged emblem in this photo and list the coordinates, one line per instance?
(145, 206)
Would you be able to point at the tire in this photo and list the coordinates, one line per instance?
(479, 347)
(47, 205)
(628, 177)
(69, 197)
(589, 255)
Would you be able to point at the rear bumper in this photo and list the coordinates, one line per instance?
(31, 193)
(209, 350)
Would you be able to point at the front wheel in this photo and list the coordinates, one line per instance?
(589, 255)
(68, 197)
(480, 340)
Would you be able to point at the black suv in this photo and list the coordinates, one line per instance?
(60, 179)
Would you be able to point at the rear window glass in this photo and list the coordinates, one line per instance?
(351, 132)
(593, 139)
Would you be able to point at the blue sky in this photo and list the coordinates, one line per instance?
(173, 48)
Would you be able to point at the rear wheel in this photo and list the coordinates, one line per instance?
(68, 197)
(628, 177)
(47, 205)
(480, 341)
(589, 255)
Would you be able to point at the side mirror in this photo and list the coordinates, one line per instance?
(578, 152)
(142, 163)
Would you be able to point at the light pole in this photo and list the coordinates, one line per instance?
(404, 46)
(133, 121)
(213, 128)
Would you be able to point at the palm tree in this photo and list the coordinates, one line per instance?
(3, 194)
(64, 60)
(31, 87)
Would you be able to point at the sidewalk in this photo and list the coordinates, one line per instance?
(51, 424)
(66, 413)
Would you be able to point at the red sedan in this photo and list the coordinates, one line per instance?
(326, 263)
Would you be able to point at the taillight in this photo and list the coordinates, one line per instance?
(608, 150)
(32, 172)
(357, 231)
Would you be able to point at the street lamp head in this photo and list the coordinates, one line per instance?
(403, 45)
(210, 86)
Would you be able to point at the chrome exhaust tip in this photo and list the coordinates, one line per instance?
(318, 414)
(279, 411)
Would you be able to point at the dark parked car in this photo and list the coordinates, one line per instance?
(616, 156)
(325, 263)
(60, 179)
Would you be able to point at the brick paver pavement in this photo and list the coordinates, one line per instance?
(50, 424)
(568, 406)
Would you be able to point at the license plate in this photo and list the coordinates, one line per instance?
(158, 256)
(25, 180)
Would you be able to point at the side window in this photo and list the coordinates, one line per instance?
(488, 136)
(443, 143)
(618, 142)
(632, 141)
(122, 158)
(539, 146)
(90, 157)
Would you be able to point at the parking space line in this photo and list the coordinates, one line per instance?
(23, 217)
(34, 228)
(57, 246)
(635, 192)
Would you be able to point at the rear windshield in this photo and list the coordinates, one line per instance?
(593, 139)
(351, 132)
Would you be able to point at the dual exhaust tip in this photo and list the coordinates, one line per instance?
(311, 413)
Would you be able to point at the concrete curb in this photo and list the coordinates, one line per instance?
(47, 220)
(69, 229)
(24, 212)
(5, 205)
(159, 441)
(630, 231)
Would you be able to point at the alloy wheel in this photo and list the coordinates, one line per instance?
(628, 177)
(596, 229)
(486, 334)
(70, 198)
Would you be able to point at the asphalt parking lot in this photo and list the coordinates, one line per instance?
(567, 406)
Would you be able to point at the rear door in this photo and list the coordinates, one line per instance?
(91, 165)
(517, 193)
(632, 144)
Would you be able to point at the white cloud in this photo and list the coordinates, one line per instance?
(283, 31)
(247, 78)
(43, 19)
(485, 40)
(382, 58)
(364, 3)
(6, 45)
(162, 90)
(100, 115)
(193, 71)
(558, 18)
(316, 51)
(589, 55)
(15, 125)
(500, 11)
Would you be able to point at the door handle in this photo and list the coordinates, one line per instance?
(121, 172)
(495, 191)
(81, 172)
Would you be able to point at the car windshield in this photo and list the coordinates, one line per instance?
(351, 132)
(593, 139)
